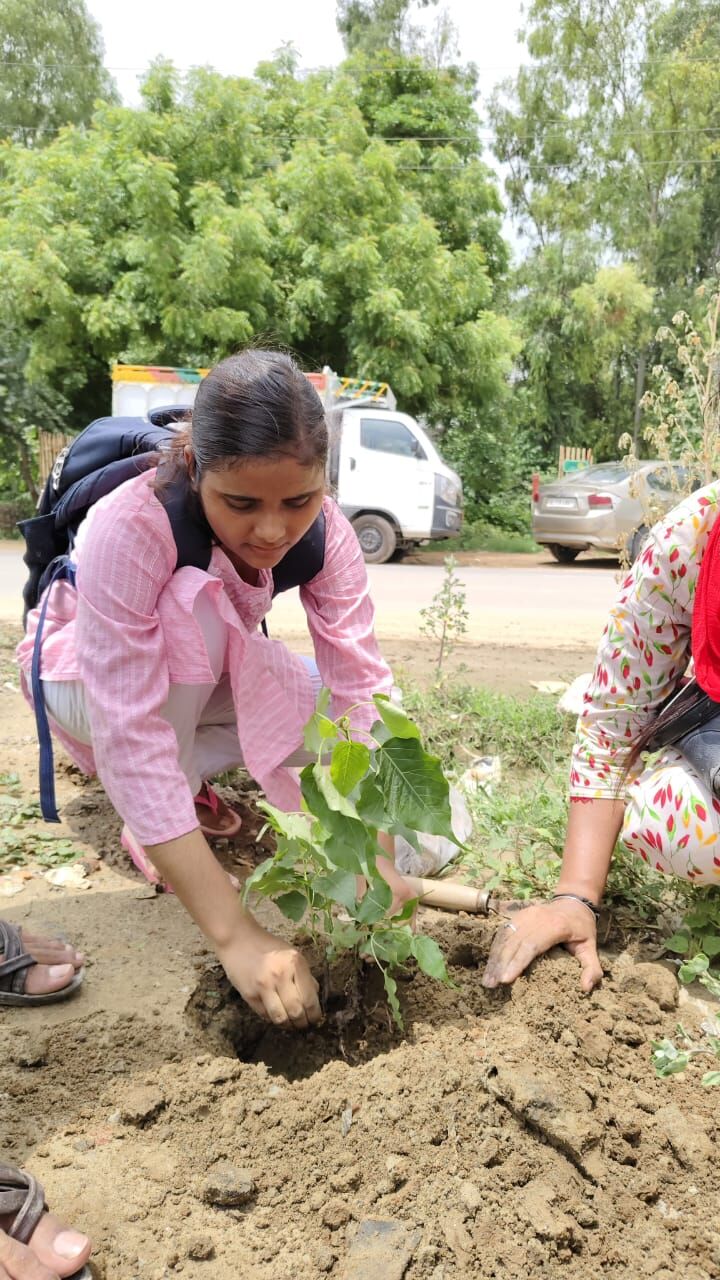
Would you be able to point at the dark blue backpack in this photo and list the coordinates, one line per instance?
(105, 455)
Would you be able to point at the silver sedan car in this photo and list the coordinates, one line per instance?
(605, 507)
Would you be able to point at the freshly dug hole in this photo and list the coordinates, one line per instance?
(358, 1025)
(231, 1027)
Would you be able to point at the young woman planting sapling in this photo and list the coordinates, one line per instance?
(160, 678)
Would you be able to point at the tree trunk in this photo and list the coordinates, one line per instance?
(639, 392)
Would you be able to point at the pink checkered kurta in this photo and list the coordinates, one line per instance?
(672, 819)
(128, 632)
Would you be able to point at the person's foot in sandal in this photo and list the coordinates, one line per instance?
(217, 820)
(35, 969)
(34, 1244)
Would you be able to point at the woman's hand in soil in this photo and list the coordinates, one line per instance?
(533, 931)
(273, 977)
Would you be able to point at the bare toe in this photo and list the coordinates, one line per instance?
(59, 1247)
(42, 978)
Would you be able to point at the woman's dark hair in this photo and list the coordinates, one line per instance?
(254, 405)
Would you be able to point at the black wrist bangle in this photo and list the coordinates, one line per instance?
(591, 906)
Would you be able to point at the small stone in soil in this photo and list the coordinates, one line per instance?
(141, 1105)
(33, 1051)
(489, 1151)
(381, 1250)
(688, 1139)
(201, 1248)
(346, 1179)
(335, 1214)
(324, 1258)
(595, 1045)
(228, 1187)
(470, 1196)
(629, 1033)
(655, 981)
(457, 1235)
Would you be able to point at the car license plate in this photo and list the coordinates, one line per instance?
(560, 504)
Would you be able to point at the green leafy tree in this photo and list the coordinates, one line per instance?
(52, 68)
(23, 410)
(683, 419)
(225, 209)
(369, 26)
(609, 138)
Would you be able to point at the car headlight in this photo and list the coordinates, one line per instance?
(449, 490)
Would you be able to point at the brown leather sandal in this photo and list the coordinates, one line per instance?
(22, 1197)
(13, 972)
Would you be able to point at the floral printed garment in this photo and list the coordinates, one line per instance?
(671, 818)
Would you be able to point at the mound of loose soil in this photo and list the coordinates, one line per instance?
(511, 1134)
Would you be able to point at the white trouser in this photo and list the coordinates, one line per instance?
(202, 715)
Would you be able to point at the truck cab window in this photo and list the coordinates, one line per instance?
(385, 436)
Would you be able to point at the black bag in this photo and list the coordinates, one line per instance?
(105, 455)
(690, 721)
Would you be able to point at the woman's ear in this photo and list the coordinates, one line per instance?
(191, 465)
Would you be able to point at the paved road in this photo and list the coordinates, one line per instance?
(538, 605)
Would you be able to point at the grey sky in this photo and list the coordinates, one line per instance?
(235, 37)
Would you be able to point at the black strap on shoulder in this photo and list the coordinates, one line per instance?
(190, 529)
(303, 561)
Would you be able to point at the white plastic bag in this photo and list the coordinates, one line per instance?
(435, 851)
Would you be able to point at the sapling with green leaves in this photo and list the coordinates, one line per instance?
(444, 620)
(324, 873)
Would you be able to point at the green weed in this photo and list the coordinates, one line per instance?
(479, 536)
(670, 1058)
(20, 842)
(460, 721)
(9, 637)
(444, 621)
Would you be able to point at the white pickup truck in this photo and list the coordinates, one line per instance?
(384, 470)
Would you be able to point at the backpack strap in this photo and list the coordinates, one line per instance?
(303, 561)
(63, 569)
(191, 531)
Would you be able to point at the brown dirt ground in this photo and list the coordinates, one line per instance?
(508, 1135)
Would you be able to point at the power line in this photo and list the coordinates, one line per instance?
(481, 134)
(393, 69)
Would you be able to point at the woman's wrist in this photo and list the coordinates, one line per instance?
(589, 888)
(236, 931)
(588, 904)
